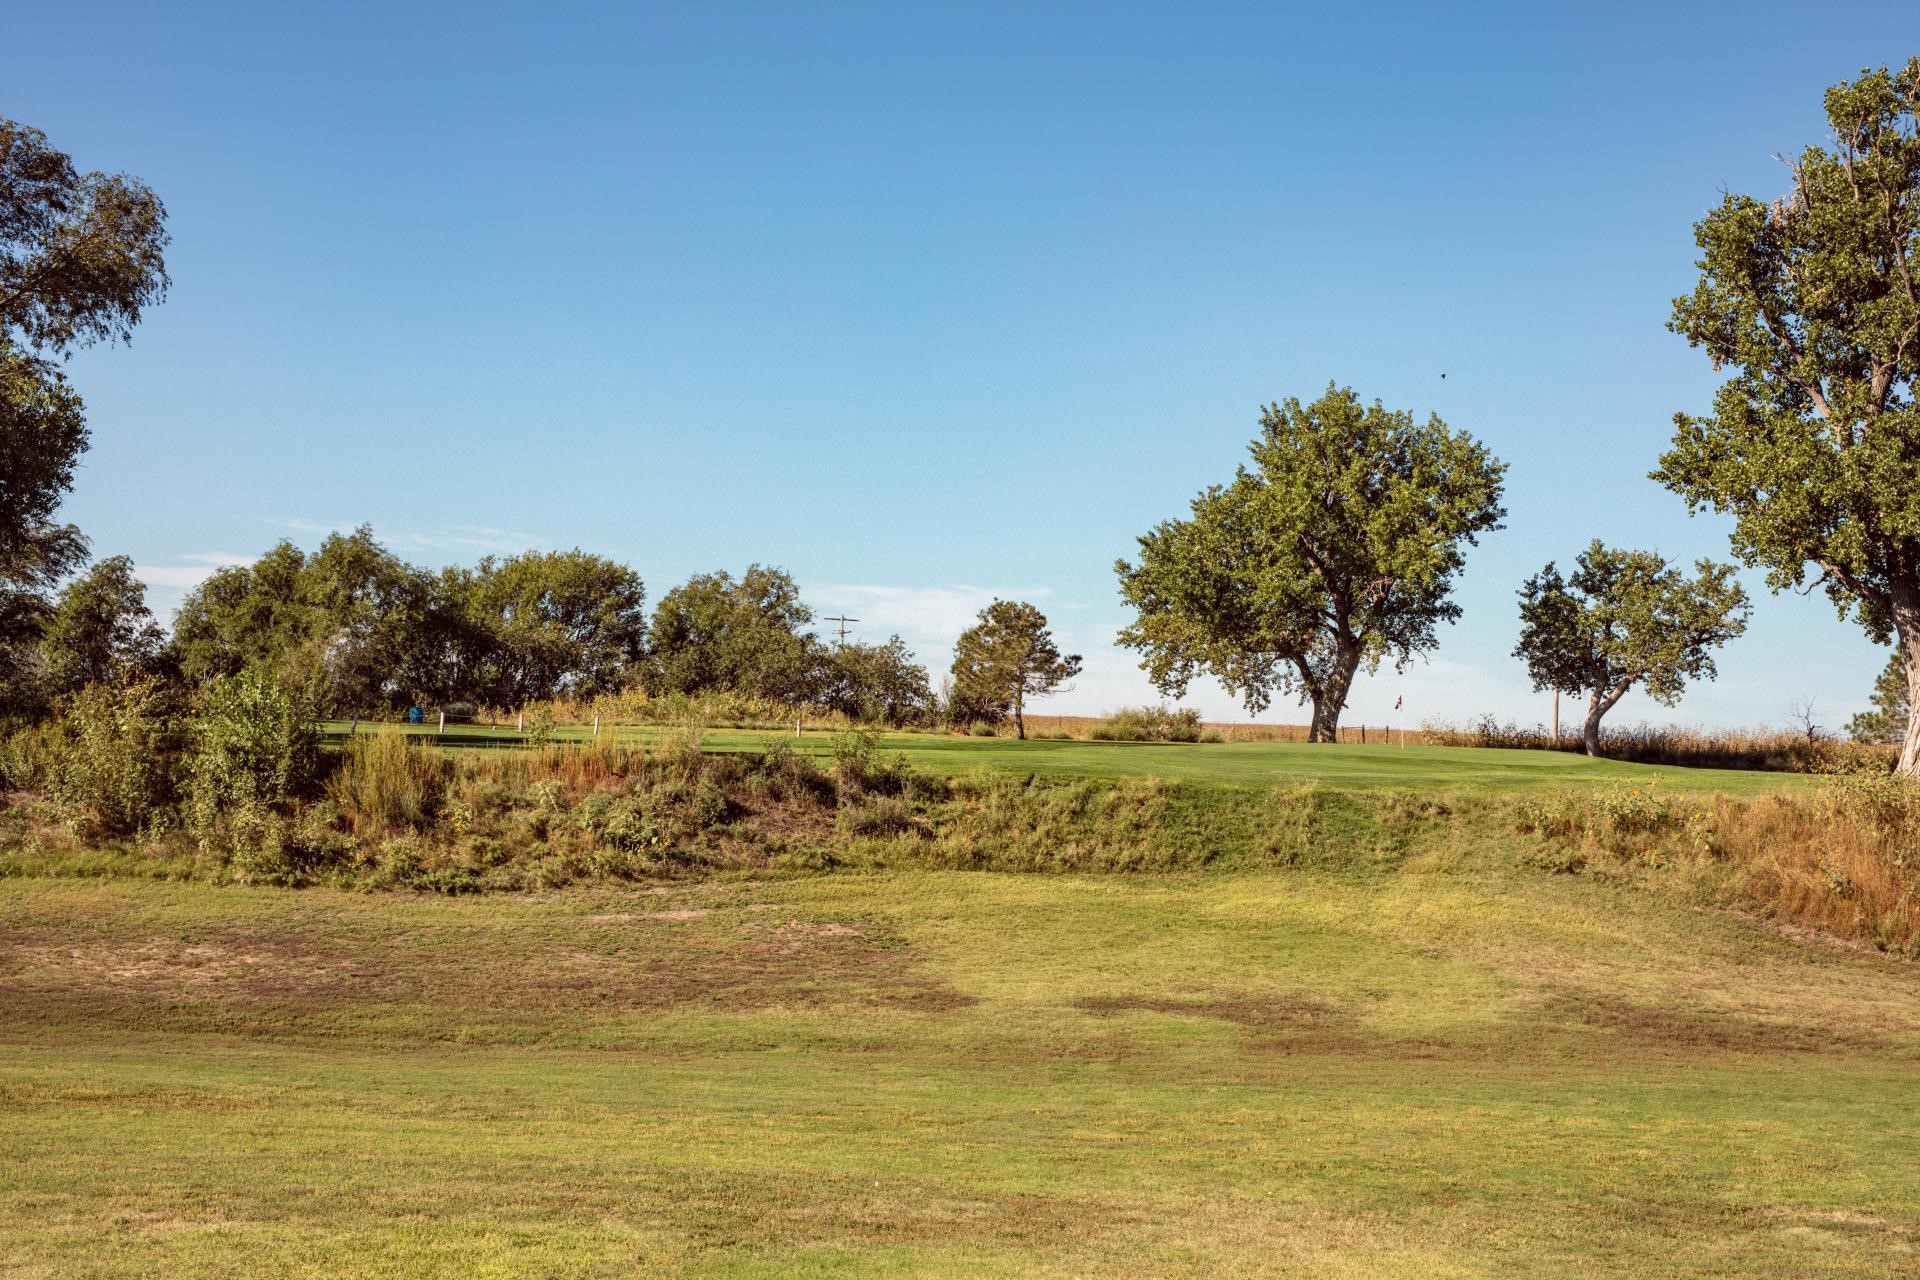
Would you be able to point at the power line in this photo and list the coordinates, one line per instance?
(843, 621)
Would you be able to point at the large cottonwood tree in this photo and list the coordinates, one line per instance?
(1812, 300)
(1336, 549)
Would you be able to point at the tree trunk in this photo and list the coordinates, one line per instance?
(1331, 698)
(1019, 720)
(1601, 702)
(1592, 735)
(1906, 620)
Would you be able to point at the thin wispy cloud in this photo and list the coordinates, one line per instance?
(930, 614)
(194, 568)
(459, 539)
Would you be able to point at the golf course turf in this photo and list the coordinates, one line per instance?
(1446, 1064)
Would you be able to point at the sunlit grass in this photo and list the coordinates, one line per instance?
(1461, 1071)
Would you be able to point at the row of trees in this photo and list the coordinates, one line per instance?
(1337, 549)
(353, 628)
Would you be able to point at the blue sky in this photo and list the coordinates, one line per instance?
(922, 303)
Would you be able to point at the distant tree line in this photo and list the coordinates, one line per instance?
(352, 628)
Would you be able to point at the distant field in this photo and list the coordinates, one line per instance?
(1235, 763)
(1437, 1070)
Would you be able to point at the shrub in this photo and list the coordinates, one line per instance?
(27, 755)
(982, 729)
(253, 751)
(1148, 724)
(110, 758)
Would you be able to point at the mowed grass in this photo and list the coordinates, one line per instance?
(1437, 1070)
(1372, 767)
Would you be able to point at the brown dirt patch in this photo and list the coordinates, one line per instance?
(258, 982)
(1258, 1013)
(1679, 1027)
(1281, 1024)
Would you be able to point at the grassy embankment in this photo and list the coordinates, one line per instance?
(1376, 1035)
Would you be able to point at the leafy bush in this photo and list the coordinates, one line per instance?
(109, 761)
(982, 729)
(1148, 724)
(253, 752)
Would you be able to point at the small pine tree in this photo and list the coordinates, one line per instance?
(1887, 722)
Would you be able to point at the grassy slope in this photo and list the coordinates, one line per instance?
(1453, 769)
(1441, 1068)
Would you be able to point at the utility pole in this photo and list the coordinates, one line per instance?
(843, 621)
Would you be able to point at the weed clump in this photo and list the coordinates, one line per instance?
(1149, 724)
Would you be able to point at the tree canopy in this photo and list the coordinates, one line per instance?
(352, 626)
(1337, 548)
(1812, 301)
(1005, 658)
(746, 635)
(875, 682)
(1625, 618)
(100, 630)
(81, 258)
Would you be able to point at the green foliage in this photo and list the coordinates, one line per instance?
(1892, 709)
(1005, 658)
(81, 257)
(111, 766)
(352, 627)
(853, 751)
(253, 751)
(1336, 550)
(559, 623)
(100, 630)
(747, 636)
(875, 683)
(1148, 724)
(1626, 618)
(1813, 443)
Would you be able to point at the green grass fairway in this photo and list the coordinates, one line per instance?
(1421, 1072)
(1235, 763)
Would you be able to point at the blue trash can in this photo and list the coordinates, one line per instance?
(416, 715)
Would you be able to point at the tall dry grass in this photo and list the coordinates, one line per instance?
(1766, 749)
(1843, 858)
